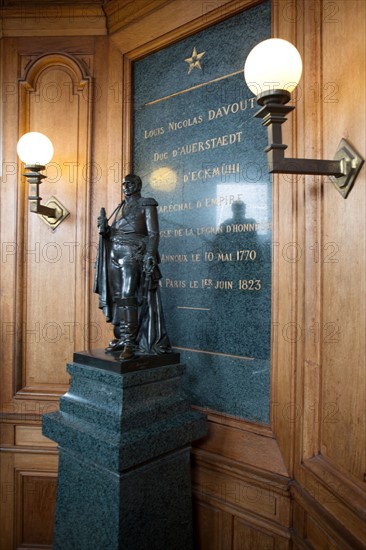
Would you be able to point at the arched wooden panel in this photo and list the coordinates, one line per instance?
(55, 98)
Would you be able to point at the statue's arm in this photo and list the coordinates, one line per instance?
(102, 223)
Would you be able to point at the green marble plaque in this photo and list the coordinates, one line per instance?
(201, 155)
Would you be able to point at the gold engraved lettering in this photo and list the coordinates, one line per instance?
(175, 207)
(225, 200)
(206, 283)
(214, 171)
(211, 230)
(232, 108)
(160, 156)
(173, 126)
(246, 255)
(225, 257)
(241, 227)
(212, 143)
(165, 233)
(172, 283)
(250, 284)
(177, 258)
(224, 285)
(154, 133)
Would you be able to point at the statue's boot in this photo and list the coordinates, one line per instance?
(118, 343)
(130, 331)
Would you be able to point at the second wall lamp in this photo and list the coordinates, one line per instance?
(36, 150)
(272, 71)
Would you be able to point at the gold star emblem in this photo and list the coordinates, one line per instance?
(194, 60)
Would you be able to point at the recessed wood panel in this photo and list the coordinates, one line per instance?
(238, 441)
(343, 390)
(31, 436)
(38, 504)
(234, 492)
(207, 526)
(56, 98)
(28, 493)
(247, 538)
(318, 537)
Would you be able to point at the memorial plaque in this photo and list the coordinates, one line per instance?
(201, 155)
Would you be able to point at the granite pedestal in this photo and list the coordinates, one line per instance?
(124, 433)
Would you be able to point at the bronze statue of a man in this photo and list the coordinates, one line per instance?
(127, 274)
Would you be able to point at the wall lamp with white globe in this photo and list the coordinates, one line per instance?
(272, 71)
(36, 150)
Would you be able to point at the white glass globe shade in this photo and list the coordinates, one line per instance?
(273, 64)
(35, 148)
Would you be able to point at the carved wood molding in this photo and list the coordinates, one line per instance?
(321, 518)
(35, 65)
(162, 26)
(230, 487)
(336, 492)
(244, 443)
(123, 14)
(50, 19)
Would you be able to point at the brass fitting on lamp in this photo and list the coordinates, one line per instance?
(272, 71)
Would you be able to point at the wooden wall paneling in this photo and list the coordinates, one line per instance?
(167, 22)
(246, 537)
(245, 442)
(107, 157)
(234, 492)
(7, 516)
(213, 527)
(24, 18)
(52, 97)
(8, 223)
(28, 497)
(316, 527)
(36, 503)
(287, 251)
(28, 460)
(30, 436)
(127, 113)
(239, 471)
(55, 96)
(309, 373)
(337, 497)
(310, 145)
(17, 55)
(229, 507)
(326, 358)
(343, 388)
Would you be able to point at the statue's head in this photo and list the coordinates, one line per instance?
(131, 184)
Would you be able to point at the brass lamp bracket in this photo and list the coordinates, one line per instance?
(343, 169)
(53, 212)
(61, 213)
(352, 163)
